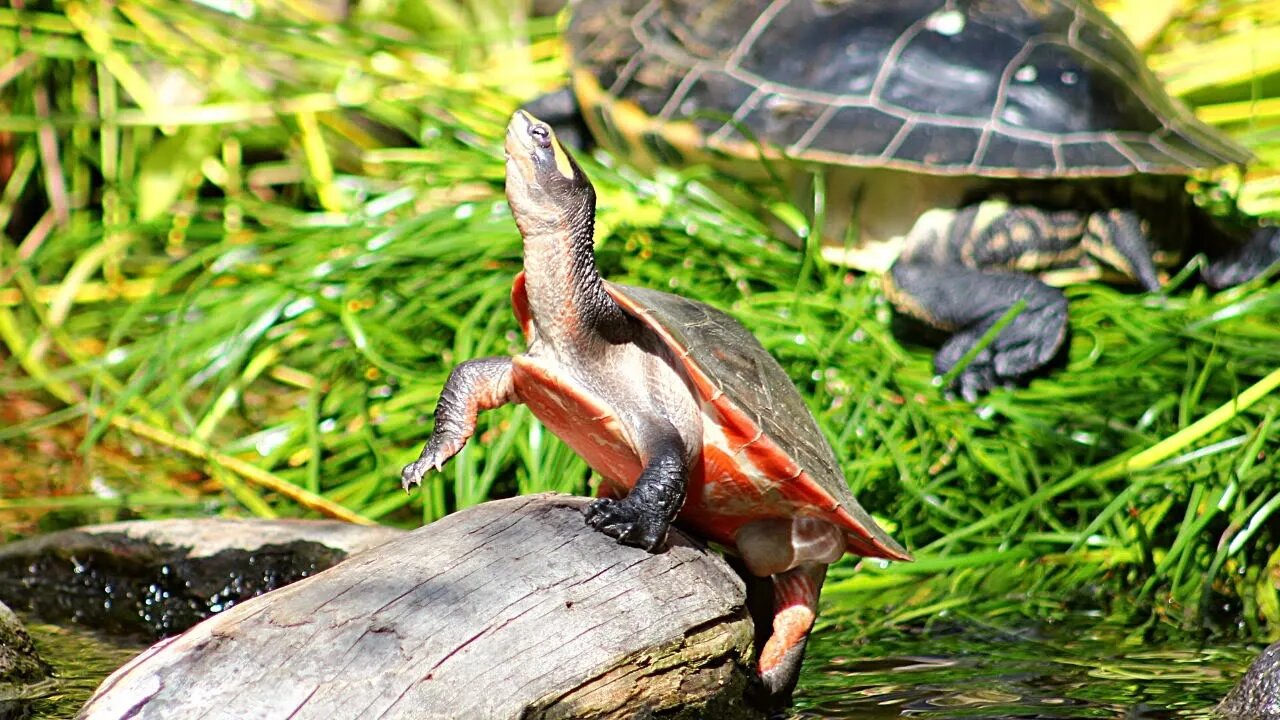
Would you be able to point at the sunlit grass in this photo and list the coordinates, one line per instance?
(242, 256)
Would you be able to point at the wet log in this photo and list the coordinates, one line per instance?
(20, 666)
(1257, 695)
(19, 662)
(511, 609)
(159, 577)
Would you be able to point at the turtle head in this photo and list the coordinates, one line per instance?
(544, 183)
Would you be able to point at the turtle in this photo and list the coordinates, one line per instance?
(973, 154)
(673, 403)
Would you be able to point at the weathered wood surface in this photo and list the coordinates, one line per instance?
(512, 609)
(159, 577)
(20, 667)
(19, 662)
(1257, 695)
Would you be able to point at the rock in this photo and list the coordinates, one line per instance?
(19, 662)
(1257, 695)
(511, 609)
(159, 577)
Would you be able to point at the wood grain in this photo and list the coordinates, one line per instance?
(511, 609)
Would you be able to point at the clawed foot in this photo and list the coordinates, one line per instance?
(627, 523)
(1246, 261)
(761, 696)
(1025, 345)
(414, 472)
(990, 368)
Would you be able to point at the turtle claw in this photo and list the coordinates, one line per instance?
(414, 472)
(1244, 262)
(977, 378)
(625, 523)
(988, 370)
(1025, 345)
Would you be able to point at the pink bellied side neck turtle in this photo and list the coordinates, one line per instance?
(682, 412)
(973, 153)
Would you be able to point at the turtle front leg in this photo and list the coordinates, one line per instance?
(969, 302)
(959, 273)
(474, 385)
(962, 270)
(644, 516)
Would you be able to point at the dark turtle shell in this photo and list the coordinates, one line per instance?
(733, 372)
(1002, 88)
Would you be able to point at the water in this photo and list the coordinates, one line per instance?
(81, 660)
(1074, 669)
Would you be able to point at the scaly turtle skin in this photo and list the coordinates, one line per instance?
(963, 145)
(675, 404)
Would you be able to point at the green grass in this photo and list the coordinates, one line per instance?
(245, 300)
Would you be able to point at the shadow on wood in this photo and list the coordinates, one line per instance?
(511, 609)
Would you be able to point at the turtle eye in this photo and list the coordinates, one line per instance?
(540, 135)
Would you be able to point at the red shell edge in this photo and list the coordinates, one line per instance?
(765, 451)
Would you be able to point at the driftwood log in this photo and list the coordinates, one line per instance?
(19, 661)
(1257, 695)
(159, 577)
(511, 609)
(20, 666)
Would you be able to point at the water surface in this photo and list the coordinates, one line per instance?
(1081, 668)
(81, 659)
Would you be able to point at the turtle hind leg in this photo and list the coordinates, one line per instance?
(795, 607)
(1118, 238)
(783, 562)
(1243, 261)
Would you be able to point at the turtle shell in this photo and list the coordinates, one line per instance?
(997, 88)
(760, 420)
